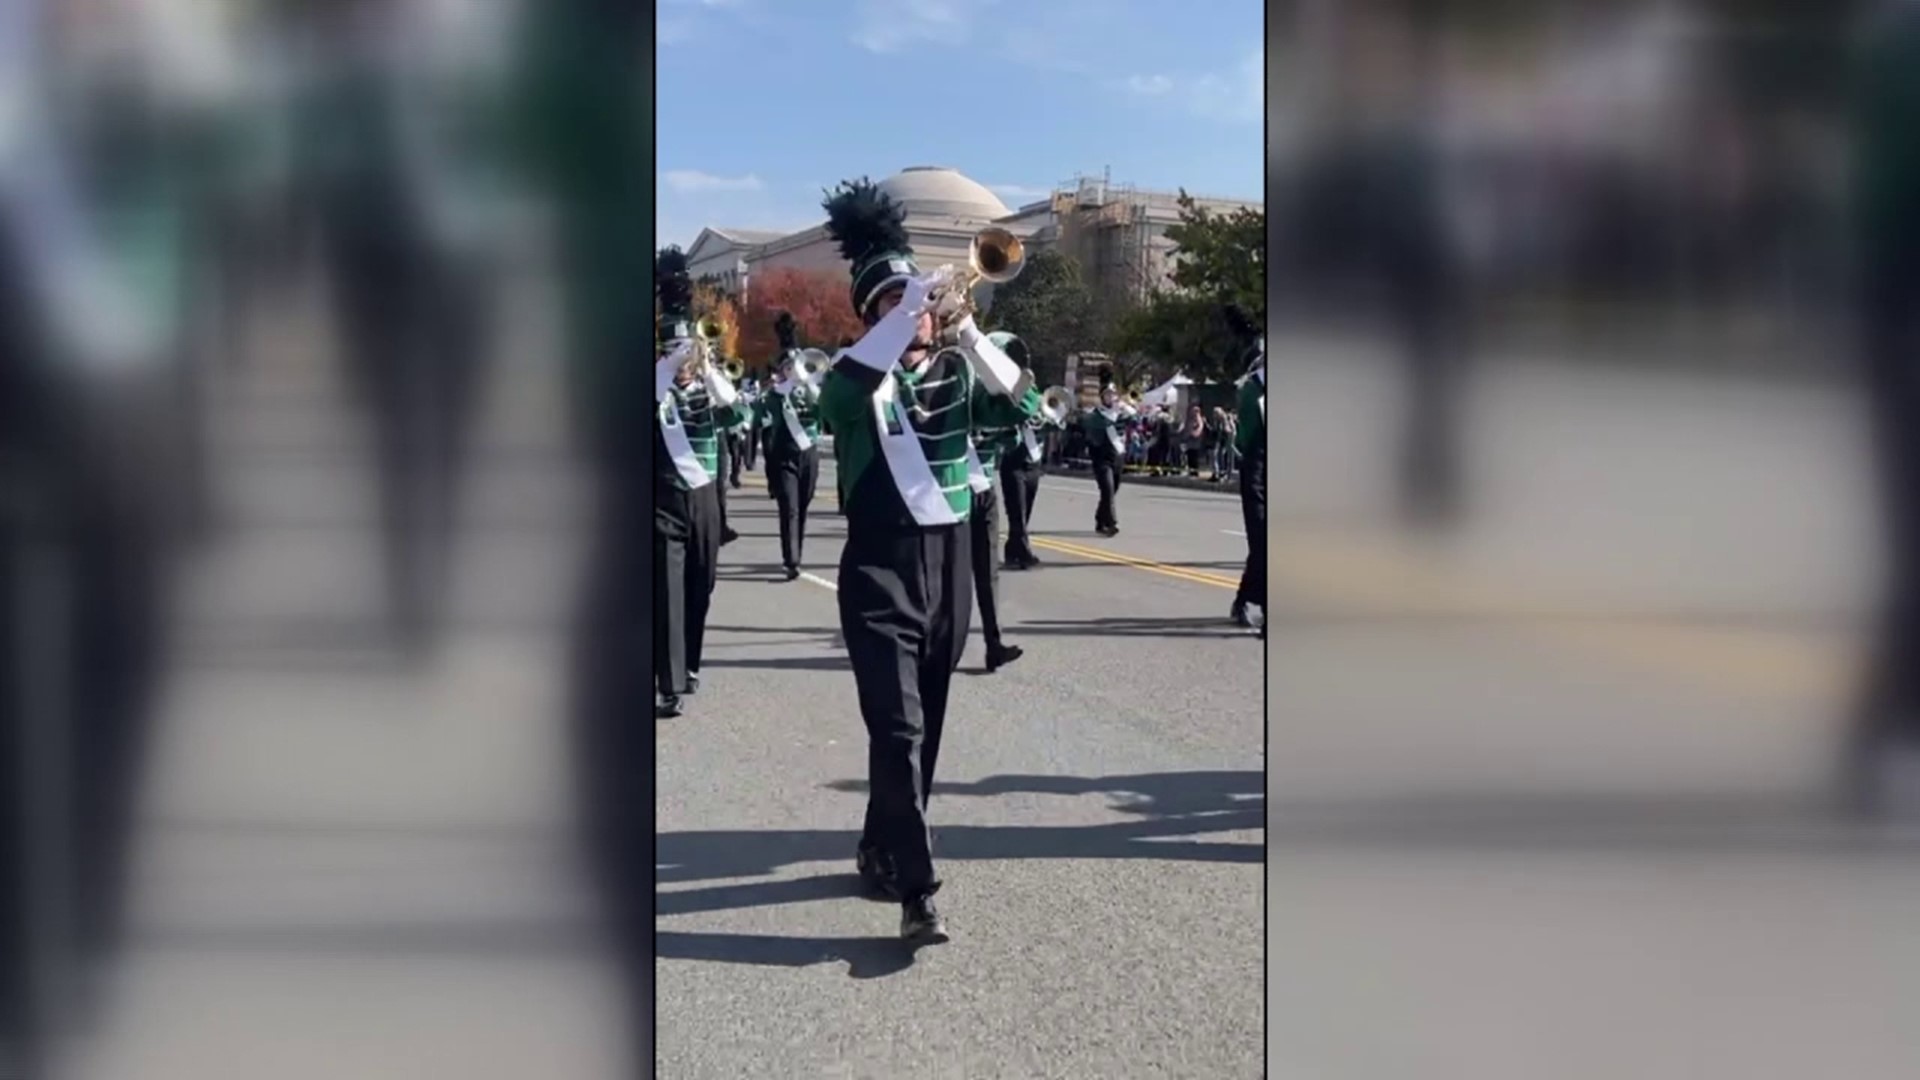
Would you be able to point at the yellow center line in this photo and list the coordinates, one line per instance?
(1149, 565)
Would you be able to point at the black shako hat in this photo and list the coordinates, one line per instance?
(871, 231)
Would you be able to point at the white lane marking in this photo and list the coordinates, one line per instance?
(1234, 532)
(818, 580)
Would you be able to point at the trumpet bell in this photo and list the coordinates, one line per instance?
(735, 369)
(996, 255)
(708, 329)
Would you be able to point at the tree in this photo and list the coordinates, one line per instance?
(1050, 306)
(1221, 258)
(713, 301)
(818, 301)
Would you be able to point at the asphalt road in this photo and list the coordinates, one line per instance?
(1098, 817)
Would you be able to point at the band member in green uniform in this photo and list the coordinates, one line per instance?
(692, 400)
(998, 422)
(1250, 439)
(725, 464)
(1107, 447)
(793, 453)
(1022, 464)
(901, 409)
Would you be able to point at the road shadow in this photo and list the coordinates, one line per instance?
(781, 663)
(1204, 627)
(1171, 810)
(866, 958)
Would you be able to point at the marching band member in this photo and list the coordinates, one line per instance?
(1107, 447)
(793, 455)
(1251, 441)
(1021, 467)
(997, 421)
(901, 413)
(692, 399)
(725, 464)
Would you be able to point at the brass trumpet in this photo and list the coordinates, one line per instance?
(994, 256)
(735, 368)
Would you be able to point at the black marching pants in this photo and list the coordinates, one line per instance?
(1106, 477)
(1019, 484)
(736, 456)
(752, 441)
(1253, 509)
(686, 555)
(985, 543)
(793, 475)
(905, 607)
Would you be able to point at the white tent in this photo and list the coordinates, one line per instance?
(1163, 395)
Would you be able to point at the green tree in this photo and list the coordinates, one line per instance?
(1221, 258)
(1050, 306)
(1179, 331)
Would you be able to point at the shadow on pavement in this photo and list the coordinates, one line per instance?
(866, 958)
(1171, 806)
(1211, 626)
(780, 663)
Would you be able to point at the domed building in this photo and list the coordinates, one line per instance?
(1116, 232)
(944, 206)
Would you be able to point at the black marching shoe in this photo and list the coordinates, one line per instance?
(667, 707)
(1239, 614)
(920, 921)
(999, 656)
(728, 535)
(793, 573)
(875, 873)
(693, 683)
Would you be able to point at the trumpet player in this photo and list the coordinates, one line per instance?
(901, 409)
(1107, 448)
(1250, 439)
(693, 399)
(793, 455)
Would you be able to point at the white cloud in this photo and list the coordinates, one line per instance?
(887, 26)
(1149, 85)
(1019, 191)
(690, 180)
(1238, 96)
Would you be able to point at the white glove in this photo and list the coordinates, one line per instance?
(720, 388)
(967, 333)
(919, 294)
(667, 367)
(990, 364)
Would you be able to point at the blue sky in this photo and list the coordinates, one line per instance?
(762, 103)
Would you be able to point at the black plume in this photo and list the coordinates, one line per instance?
(1240, 323)
(865, 221)
(671, 283)
(785, 328)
